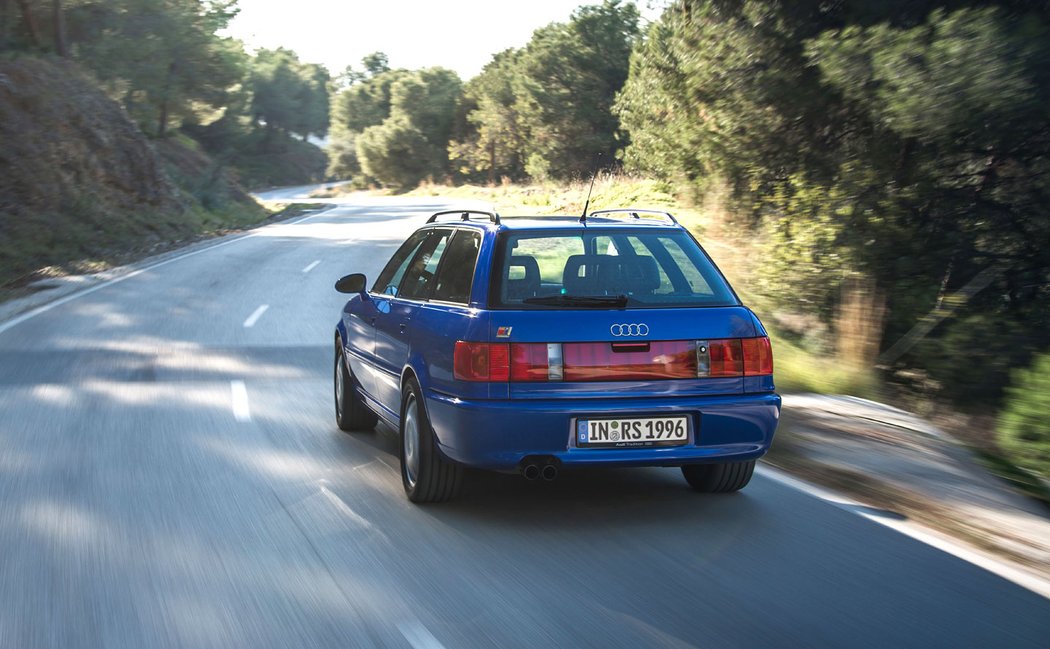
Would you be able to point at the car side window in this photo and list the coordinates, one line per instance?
(419, 278)
(395, 269)
(457, 272)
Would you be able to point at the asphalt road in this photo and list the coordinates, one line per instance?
(171, 476)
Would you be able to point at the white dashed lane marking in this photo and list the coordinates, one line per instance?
(239, 401)
(254, 317)
(311, 266)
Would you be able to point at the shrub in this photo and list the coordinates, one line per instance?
(1024, 430)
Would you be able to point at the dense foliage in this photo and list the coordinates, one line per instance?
(546, 110)
(167, 63)
(899, 147)
(1023, 428)
(542, 111)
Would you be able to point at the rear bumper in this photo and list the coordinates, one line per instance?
(494, 434)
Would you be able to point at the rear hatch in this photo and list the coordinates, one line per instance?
(616, 310)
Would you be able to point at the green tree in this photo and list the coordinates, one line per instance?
(566, 81)
(375, 64)
(315, 101)
(546, 109)
(274, 85)
(288, 94)
(382, 112)
(427, 100)
(164, 56)
(892, 141)
(394, 153)
(362, 101)
(962, 98)
(365, 103)
(490, 139)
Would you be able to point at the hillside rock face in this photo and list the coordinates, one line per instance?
(77, 177)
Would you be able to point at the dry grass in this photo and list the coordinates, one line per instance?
(543, 199)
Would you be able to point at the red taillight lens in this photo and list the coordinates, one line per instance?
(727, 358)
(528, 362)
(758, 356)
(533, 362)
(481, 361)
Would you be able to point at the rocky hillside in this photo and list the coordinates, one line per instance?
(80, 184)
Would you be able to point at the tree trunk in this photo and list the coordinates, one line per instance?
(58, 18)
(30, 22)
(5, 22)
(162, 120)
(492, 163)
(859, 322)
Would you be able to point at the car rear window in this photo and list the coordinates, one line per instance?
(647, 268)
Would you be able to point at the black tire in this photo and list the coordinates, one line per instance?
(426, 475)
(351, 413)
(719, 478)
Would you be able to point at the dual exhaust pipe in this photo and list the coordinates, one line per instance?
(535, 468)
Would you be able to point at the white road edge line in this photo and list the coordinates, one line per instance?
(418, 635)
(14, 322)
(256, 314)
(1020, 577)
(311, 266)
(239, 401)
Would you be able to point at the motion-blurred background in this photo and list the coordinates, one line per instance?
(872, 176)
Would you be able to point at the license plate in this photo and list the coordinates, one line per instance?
(630, 432)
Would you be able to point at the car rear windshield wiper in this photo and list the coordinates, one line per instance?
(595, 301)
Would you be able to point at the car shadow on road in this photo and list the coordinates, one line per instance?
(620, 496)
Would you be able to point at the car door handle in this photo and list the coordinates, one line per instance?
(373, 322)
(402, 327)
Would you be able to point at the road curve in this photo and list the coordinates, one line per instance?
(171, 476)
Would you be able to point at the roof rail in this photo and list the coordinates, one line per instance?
(465, 215)
(634, 212)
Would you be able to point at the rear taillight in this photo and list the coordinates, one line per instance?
(635, 361)
(481, 361)
(528, 362)
(758, 356)
(734, 357)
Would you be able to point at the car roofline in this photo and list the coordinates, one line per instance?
(630, 216)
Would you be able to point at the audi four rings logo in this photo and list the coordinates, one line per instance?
(629, 330)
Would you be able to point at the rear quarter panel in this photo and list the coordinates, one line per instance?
(436, 328)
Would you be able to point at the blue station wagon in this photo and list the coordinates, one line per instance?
(534, 344)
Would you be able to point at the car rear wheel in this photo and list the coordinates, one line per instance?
(351, 413)
(427, 476)
(719, 478)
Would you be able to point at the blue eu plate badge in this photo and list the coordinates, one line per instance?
(581, 431)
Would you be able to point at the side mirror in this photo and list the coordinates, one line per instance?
(351, 283)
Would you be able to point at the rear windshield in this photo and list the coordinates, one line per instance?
(543, 270)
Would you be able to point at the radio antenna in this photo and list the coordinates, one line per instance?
(594, 174)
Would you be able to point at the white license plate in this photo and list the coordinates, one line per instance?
(630, 432)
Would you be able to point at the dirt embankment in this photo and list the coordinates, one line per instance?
(79, 183)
